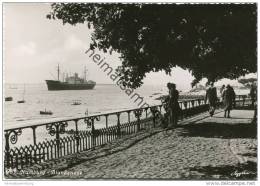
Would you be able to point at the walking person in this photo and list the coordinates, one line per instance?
(174, 108)
(229, 97)
(211, 96)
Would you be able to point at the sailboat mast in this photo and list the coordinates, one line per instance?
(85, 73)
(23, 91)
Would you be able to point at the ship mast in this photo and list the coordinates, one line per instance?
(58, 72)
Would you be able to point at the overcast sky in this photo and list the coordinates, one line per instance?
(34, 45)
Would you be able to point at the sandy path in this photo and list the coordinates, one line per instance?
(208, 149)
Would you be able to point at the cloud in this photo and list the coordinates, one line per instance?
(27, 49)
(73, 43)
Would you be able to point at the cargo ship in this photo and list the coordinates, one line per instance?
(71, 82)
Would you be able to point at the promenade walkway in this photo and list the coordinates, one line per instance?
(199, 148)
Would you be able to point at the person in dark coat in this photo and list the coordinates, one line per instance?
(211, 97)
(173, 105)
(229, 97)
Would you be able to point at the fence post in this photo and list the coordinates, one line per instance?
(106, 116)
(192, 103)
(154, 111)
(93, 140)
(106, 131)
(192, 107)
(138, 114)
(160, 107)
(184, 114)
(34, 134)
(7, 149)
(244, 99)
(199, 101)
(11, 135)
(146, 111)
(90, 123)
(57, 139)
(118, 124)
(56, 129)
(128, 114)
(77, 135)
(185, 105)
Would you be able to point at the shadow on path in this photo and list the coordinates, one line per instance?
(219, 130)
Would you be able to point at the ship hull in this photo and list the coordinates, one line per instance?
(57, 85)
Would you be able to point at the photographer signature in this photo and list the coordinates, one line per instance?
(238, 174)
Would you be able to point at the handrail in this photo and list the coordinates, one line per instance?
(79, 141)
(78, 118)
(85, 117)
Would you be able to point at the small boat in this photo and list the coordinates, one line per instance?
(8, 98)
(76, 102)
(46, 112)
(22, 101)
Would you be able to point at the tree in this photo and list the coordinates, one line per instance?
(214, 41)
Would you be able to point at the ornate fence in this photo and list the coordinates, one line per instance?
(80, 134)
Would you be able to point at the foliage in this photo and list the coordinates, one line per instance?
(210, 40)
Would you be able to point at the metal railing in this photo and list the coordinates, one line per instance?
(80, 134)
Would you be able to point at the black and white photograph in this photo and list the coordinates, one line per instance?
(130, 91)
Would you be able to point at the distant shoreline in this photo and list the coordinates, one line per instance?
(201, 94)
(184, 97)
